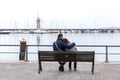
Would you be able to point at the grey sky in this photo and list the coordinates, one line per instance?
(59, 13)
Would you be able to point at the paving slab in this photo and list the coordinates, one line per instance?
(20, 70)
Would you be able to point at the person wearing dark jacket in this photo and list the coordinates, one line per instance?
(60, 45)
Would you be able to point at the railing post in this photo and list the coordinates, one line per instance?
(106, 54)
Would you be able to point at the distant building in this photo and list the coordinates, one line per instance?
(38, 23)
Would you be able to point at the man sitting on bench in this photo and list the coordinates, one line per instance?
(60, 45)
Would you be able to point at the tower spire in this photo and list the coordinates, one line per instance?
(38, 23)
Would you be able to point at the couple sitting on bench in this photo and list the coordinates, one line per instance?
(62, 44)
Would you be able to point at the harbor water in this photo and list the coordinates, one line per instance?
(48, 39)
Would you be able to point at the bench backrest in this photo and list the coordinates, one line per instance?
(87, 56)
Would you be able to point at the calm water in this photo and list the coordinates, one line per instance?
(48, 39)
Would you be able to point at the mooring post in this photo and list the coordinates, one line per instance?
(22, 50)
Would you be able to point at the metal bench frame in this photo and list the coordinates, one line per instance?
(79, 56)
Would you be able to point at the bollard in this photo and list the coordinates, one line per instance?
(22, 50)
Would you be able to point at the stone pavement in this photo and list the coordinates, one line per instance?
(20, 70)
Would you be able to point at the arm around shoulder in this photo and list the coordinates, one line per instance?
(68, 46)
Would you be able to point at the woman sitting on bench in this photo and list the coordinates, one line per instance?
(71, 49)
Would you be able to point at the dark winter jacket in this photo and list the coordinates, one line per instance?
(62, 45)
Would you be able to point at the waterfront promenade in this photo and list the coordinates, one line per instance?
(20, 70)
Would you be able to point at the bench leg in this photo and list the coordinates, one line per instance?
(40, 67)
(92, 67)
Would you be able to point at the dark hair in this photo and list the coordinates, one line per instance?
(59, 35)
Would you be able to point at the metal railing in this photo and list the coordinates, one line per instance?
(78, 46)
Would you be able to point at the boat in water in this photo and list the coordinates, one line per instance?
(4, 32)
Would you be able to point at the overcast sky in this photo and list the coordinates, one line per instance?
(60, 13)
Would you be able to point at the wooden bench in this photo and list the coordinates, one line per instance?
(82, 56)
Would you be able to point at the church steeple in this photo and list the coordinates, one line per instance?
(38, 23)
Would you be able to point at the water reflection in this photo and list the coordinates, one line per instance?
(38, 41)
